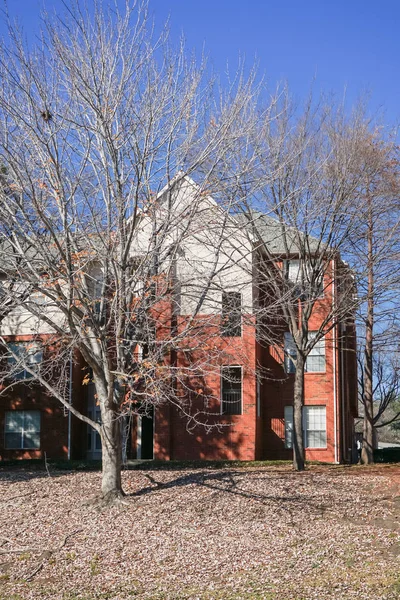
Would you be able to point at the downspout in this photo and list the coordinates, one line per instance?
(70, 402)
(335, 445)
(345, 447)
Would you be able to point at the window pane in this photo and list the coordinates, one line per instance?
(31, 440)
(32, 420)
(14, 420)
(13, 440)
(34, 356)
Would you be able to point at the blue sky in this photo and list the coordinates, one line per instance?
(351, 45)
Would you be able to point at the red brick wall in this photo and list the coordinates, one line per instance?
(221, 436)
(53, 418)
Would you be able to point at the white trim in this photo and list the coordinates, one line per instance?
(335, 441)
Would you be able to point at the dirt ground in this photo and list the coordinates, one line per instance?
(260, 532)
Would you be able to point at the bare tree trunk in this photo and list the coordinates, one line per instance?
(367, 454)
(298, 401)
(111, 440)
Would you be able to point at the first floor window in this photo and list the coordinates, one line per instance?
(22, 429)
(314, 426)
(288, 426)
(93, 436)
(231, 385)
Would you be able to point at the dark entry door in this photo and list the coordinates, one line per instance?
(147, 441)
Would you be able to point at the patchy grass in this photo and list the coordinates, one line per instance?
(223, 531)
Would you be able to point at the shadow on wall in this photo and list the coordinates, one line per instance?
(219, 439)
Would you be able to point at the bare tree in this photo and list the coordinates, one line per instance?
(386, 388)
(95, 124)
(374, 250)
(301, 215)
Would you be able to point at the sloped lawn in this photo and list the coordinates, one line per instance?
(260, 532)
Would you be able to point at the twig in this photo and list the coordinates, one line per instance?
(18, 496)
(46, 464)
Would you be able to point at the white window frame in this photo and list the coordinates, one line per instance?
(241, 390)
(288, 419)
(307, 410)
(22, 431)
(318, 351)
(292, 273)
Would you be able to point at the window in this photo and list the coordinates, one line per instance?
(22, 429)
(231, 314)
(288, 426)
(312, 283)
(28, 353)
(314, 426)
(315, 362)
(93, 436)
(231, 391)
(293, 271)
(290, 353)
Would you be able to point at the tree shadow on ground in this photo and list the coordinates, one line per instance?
(228, 482)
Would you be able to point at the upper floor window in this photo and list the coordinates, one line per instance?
(231, 391)
(23, 358)
(231, 325)
(290, 353)
(22, 429)
(315, 361)
(307, 280)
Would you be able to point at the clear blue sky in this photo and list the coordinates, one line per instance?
(353, 44)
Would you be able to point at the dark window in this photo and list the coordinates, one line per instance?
(231, 314)
(22, 429)
(231, 390)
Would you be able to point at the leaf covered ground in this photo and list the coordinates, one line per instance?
(262, 533)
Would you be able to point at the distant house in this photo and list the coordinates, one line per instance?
(249, 396)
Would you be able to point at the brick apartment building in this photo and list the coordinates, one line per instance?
(249, 416)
